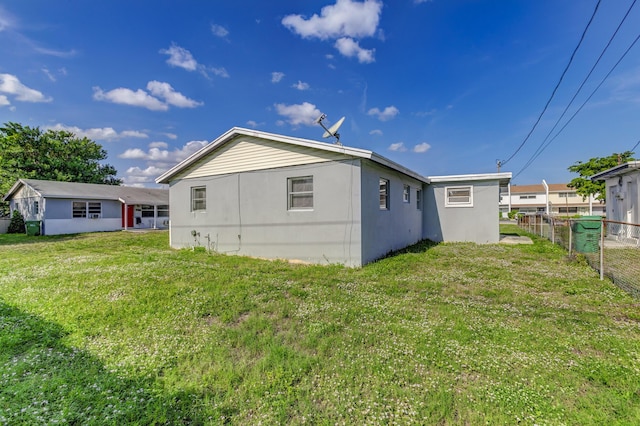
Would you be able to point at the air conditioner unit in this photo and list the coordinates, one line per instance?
(94, 215)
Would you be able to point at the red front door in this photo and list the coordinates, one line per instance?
(129, 216)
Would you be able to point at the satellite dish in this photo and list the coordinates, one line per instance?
(331, 131)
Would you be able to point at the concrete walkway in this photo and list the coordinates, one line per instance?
(514, 239)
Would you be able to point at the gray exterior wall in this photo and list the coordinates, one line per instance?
(478, 223)
(246, 213)
(384, 231)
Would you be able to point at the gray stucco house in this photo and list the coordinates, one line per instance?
(69, 208)
(273, 196)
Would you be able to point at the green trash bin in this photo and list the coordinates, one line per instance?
(586, 231)
(33, 227)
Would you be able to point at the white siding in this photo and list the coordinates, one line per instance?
(247, 153)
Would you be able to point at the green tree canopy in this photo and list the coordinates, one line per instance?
(583, 185)
(30, 153)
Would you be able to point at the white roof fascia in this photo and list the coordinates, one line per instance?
(502, 177)
(238, 131)
(617, 170)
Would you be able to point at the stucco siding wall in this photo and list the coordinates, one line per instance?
(478, 224)
(384, 231)
(246, 213)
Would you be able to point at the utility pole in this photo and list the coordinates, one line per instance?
(498, 164)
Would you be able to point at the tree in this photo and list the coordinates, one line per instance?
(583, 185)
(16, 226)
(30, 153)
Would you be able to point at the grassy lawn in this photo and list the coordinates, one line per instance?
(115, 328)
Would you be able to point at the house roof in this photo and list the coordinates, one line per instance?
(238, 131)
(622, 169)
(166, 177)
(503, 178)
(539, 188)
(92, 191)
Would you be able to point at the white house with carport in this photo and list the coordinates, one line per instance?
(69, 207)
(268, 195)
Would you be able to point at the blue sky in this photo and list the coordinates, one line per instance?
(440, 86)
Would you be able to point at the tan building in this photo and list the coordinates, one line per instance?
(553, 198)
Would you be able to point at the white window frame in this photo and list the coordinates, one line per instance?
(86, 209)
(292, 195)
(198, 204)
(384, 193)
(163, 210)
(449, 202)
(406, 194)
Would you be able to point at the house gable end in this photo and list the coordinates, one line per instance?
(248, 153)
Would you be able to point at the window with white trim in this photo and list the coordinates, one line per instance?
(459, 196)
(300, 193)
(147, 210)
(419, 199)
(163, 210)
(384, 194)
(406, 194)
(198, 198)
(86, 209)
(527, 197)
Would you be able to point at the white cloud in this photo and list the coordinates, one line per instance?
(48, 74)
(387, 114)
(421, 1)
(350, 48)
(376, 132)
(143, 99)
(6, 21)
(220, 72)
(126, 96)
(346, 18)
(99, 133)
(180, 57)
(345, 21)
(172, 136)
(421, 148)
(297, 114)
(252, 124)
(276, 76)
(159, 155)
(301, 85)
(136, 176)
(11, 85)
(164, 90)
(219, 31)
(4, 101)
(399, 147)
(158, 145)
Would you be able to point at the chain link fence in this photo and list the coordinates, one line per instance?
(610, 247)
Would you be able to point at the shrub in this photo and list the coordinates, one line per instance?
(16, 226)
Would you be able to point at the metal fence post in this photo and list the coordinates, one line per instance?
(603, 224)
(570, 237)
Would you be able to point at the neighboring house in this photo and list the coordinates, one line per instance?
(623, 191)
(553, 198)
(69, 208)
(267, 195)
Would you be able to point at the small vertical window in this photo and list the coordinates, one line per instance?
(459, 196)
(300, 193)
(36, 207)
(198, 198)
(406, 194)
(419, 199)
(384, 194)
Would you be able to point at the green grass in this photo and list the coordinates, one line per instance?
(116, 328)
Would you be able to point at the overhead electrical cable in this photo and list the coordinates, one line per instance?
(533, 158)
(635, 146)
(557, 86)
(583, 83)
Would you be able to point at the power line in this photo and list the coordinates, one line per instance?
(533, 158)
(583, 82)
(542, 144)
(557, 85)
(635, 146)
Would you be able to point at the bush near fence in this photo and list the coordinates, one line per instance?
(610, 247)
